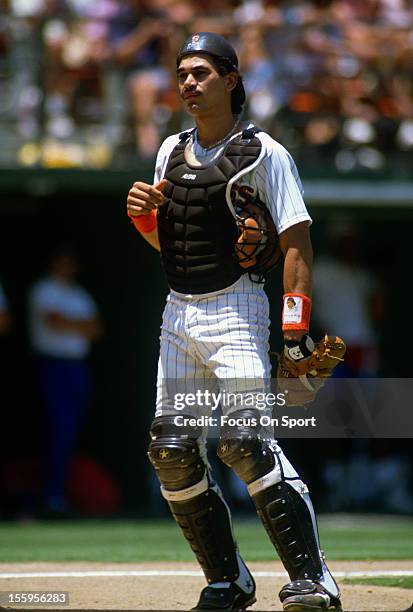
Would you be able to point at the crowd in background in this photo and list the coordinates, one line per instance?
(91, 84)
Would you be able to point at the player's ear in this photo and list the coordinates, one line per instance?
(231, 80)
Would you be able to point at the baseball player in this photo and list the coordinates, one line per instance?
(215, 327)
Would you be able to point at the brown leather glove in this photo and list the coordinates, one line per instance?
(257, 245)
(299, 376)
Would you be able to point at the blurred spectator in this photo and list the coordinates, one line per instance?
(366, 477)
(64, 322)
(354, 308)
(263, 87)
(135, 76)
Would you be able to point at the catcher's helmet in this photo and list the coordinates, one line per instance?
(210, 43)
(222, 52)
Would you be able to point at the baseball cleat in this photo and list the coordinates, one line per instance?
(227, 598)
(307, 596)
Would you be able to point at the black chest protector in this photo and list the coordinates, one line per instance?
(197, 230)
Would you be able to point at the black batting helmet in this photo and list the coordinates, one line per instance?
(224, 57)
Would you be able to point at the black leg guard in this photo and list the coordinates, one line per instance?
(283, 510)
(194, 501)
(288, 522)
(206, 525)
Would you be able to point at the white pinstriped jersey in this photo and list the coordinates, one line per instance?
(221, 339)
(275, 180)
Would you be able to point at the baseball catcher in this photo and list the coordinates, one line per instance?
(225, 201)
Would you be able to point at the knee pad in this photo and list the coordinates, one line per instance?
(177, 460)
(250, 456)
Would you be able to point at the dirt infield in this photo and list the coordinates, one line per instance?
(168, 592)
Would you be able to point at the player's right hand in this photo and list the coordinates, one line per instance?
(143, 198)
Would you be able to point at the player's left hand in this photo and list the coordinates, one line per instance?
(304, 367)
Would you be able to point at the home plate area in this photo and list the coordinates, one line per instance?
(176, 586)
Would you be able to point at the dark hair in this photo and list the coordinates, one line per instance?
(224, 67)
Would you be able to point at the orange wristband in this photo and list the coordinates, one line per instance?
(296, 312)
(145, 223)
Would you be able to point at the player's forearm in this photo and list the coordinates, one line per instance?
(298, 260)
(297, 280)
(297, 271)
(296, 246)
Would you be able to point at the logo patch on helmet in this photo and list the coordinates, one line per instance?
(195, 38)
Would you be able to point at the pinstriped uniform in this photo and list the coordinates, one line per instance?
(217, 341)
(220, 340)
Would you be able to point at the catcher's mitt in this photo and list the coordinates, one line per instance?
(301, 379)
(257, 246)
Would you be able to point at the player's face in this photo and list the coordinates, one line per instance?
(202, 89)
